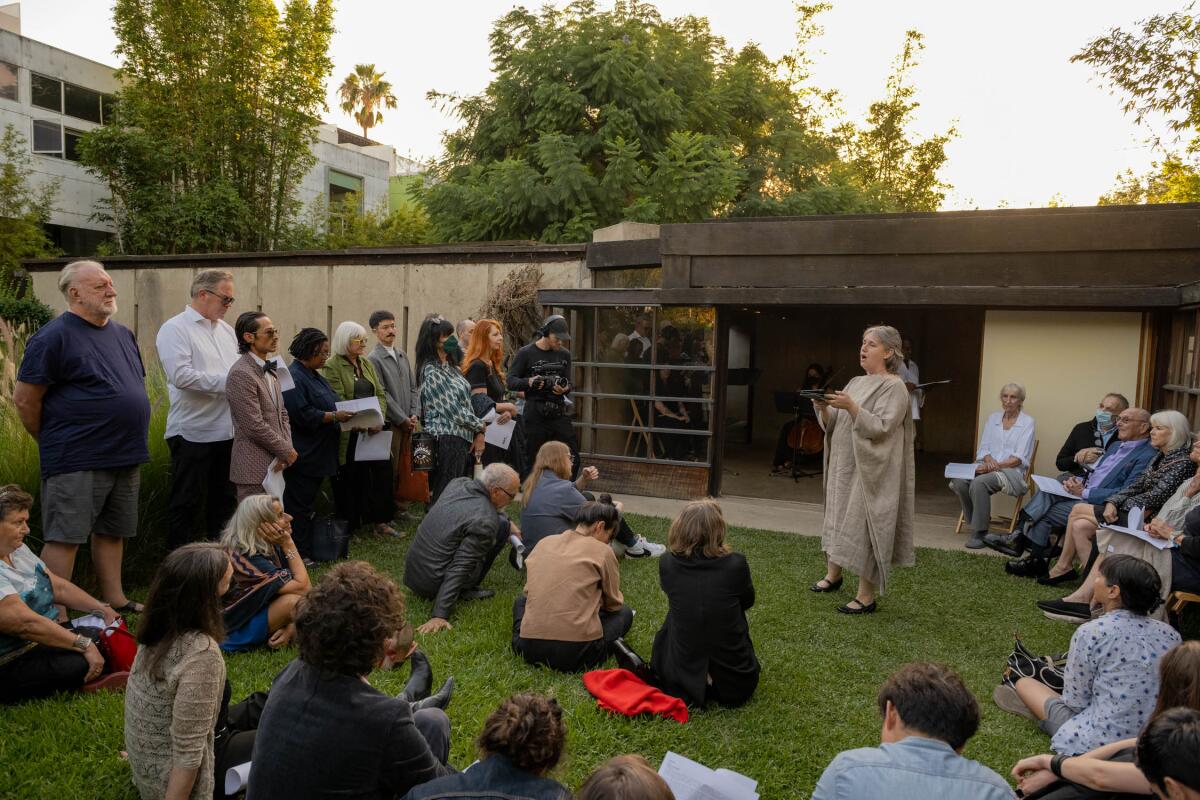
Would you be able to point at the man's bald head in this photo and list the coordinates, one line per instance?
(1133, 424)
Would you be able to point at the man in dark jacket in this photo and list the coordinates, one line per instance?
(1091, 438)
(459, 539)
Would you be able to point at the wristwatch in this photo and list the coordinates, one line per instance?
(82, 643)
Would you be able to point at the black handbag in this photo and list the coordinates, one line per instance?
(330, 539)
(424, 451)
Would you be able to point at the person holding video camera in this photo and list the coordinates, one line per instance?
(542, 370)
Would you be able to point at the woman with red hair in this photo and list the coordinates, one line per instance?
(483, 368)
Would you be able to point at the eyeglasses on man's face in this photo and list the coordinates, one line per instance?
(269, 332)
(226, 300)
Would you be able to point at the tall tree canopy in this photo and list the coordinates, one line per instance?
(215, 121)
(364, 92)
(596, 116)
(24, 207)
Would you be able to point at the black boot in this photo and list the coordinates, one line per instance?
(1029, 567)
(631, 661)
(1012, 545)
(439, 699)
(421, 679)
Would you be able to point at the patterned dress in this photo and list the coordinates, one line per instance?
(446, 413)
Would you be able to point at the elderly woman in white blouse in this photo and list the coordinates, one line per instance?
(1001, 463)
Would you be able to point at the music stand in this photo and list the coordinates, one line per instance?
(793, 403)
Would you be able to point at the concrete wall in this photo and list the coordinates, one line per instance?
(297, 296)
(1065, 360)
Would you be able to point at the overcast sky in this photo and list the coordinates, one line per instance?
(1032, 125)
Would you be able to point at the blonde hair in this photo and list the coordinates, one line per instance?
(889, 338)
(553, 456)
(241, 532)
(698, 530)
(1175, 422)
(627, 777)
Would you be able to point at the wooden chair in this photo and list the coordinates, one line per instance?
(1175, 605)
(642, 434)
(1003, 524)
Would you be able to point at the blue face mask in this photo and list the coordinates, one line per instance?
(1104, 419)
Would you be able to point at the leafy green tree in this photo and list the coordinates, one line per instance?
(24, 209)
(215, 123)
(363, 93)
(343, 225)
(1173, 180)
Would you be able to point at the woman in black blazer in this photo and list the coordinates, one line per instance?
(703, 652)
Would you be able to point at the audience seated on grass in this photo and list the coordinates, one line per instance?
(522, 741)
(1111, 677)
(1166, 754)
(550, 499)
(572, 612)
(703, 650)
(625, 778)
(177, 690)
(458, 540)
(1110, 769)
(38, 655)
(1169, 435)
(269, 576)
(928, 717)
(1111, 472)
(325, 731)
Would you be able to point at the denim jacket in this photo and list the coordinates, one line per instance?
(914, 768)
(493, 778)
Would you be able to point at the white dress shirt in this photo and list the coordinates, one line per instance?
(1003, 444)
(911, 373)
(196, 354)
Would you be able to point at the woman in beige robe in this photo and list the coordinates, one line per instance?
(868, 473)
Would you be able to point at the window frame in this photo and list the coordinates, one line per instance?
(60, 153)
(16, 84)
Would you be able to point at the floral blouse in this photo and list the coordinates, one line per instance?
(1152, 489)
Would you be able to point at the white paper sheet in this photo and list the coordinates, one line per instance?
(282, 375)
(366, 411)
(691, 780)
(1134, 529)
(964, 471)
(373, 447)
(236, 778)
(1051, 486)
(499, 434)
(273, 483)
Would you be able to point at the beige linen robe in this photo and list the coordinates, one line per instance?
(869, 480)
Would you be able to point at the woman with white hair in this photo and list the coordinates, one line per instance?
(868, 473)
(269, 576)
(1150, 491)
(1001, 462)
(362, 490)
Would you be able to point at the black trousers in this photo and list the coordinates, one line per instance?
(454, 460)
(539, 430)
(41, 672)
(570, 656)
(199, 477)
(363, 491)
(300, 500)
(233, 743)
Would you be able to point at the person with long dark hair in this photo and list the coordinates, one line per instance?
(446, 405)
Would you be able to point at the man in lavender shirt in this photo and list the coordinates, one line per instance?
(1044, 512)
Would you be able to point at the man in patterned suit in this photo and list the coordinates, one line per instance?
(260, 421)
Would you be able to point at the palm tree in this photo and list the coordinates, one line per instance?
(363, 93)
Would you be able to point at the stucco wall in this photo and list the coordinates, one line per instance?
(318, 296)
(1066, 361)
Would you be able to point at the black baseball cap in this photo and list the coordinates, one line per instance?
(558, 326)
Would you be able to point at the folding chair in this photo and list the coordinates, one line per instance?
(1003, 524)
(642, 434)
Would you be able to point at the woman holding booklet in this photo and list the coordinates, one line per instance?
(362, 490)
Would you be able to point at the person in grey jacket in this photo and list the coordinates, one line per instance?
(458, 540)
(403, 400)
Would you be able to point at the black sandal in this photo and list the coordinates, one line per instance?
(859, 609)
(830, 586)
(130, 607)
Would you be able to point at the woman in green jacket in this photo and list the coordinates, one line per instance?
(362, 490)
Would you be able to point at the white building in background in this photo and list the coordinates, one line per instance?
(51, 97)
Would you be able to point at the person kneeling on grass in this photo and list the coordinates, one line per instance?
(1110, 770)
(1111, 677)
(625, 778)
(521, 742)
(269, 576)
(1166, 754)
(928, 717)
(572, 612)
(325, 731)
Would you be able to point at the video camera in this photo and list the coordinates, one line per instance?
(547, 377)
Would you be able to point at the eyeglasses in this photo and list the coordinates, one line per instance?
(358, 340)
(269, 332)
(225, 299)
(511, 495)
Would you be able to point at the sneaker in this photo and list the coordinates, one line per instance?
(643, 549)
(976, 542)
(1064, 611)
(1007, 699)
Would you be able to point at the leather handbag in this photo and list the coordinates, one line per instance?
(330, 539)
(118, 646)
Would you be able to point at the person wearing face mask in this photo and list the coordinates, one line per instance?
(542, 370)
(445, 397)
(1092, 438)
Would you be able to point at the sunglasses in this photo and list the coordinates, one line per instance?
(358, 340)
(225, 299)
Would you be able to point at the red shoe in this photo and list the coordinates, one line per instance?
(113, 681)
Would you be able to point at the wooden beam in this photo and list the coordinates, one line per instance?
(598, 297)
(1164, 227)
(676, 272)
(1066, 297)
(622, 255)
(1108, 268)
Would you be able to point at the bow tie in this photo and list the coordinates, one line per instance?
(269, 367)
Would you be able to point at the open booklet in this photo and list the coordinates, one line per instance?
(1052, 486)
(366, 411)
(691, 780)
(1134, 529)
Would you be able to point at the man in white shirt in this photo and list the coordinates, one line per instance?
(643, 326)
(197, 348)
(910, 373)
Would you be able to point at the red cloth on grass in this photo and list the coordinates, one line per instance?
(621, 691)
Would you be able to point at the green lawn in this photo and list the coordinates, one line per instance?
(817, 695)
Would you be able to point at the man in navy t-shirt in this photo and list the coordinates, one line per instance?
(81, 393)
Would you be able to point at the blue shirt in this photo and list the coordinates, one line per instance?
(911, 769)
(95, 413)
(1111, 460)
(27, 578)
